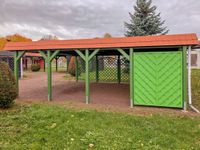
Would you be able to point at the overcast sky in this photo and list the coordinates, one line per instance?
(70, 19)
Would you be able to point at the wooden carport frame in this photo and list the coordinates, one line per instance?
(124, 46)
(49, 56)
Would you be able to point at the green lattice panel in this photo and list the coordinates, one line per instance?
(158, 79)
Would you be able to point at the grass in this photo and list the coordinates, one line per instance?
(196, 88)
(41, 126)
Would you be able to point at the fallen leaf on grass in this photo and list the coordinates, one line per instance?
(53, 125)
(91, 145)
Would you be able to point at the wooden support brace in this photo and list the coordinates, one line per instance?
(20, 55)
(54, 54)
(43, 55)
(80, 54)
(93, 54)
(48, 59)
(124, 53)
(87, 58)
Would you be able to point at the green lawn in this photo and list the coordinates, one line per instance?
(40, 126)
(196, 88)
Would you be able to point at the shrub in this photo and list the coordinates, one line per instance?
(35, 67)
(72, 67)
(8, 88)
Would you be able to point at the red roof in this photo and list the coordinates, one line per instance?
(124, 42)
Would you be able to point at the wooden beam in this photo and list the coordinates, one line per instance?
(43, 54)
(124, 53)
(87, 77)
(80, 54)
(131, 73)
(20, 55)
(54, 54)
(93, 54)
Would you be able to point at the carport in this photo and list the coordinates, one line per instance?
(157, 64)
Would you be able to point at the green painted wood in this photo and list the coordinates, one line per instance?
(87, 58)
(158, 79)
(17, 56)
(185, 75)
(93, 54)
(20, 55)
(123, 53)
(97, 68)
(57, 64)
(48, 60)
(131, 74)
(80, 54)
(76, 63)
(54, 54)
(42, 53)
(16, 70)
(87, 77)
(49, 76)
(119, 69)
(66, 65)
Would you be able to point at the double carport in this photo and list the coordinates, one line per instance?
(158, 74)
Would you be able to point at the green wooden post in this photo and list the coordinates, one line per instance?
(87, 58)
(48, 59)
(87, 77)
(16, 70)
(57, 64)
(17, 57)
(185, 77)
(49, 76)
(97, 69)
(119, 69)
(76, 63)
(131, 76)
(66, 66)
(130, 57)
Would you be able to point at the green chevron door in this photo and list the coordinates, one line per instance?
(158, 79)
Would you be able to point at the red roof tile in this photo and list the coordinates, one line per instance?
(139, 41)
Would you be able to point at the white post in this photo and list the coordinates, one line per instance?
(189, 76)
(21, 68)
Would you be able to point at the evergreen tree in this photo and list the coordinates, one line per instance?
(144, 21)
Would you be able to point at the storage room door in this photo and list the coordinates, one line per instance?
(158, 79)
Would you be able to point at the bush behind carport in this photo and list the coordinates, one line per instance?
(8, 89)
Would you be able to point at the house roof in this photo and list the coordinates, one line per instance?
(123, 42)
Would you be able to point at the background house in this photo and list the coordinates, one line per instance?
(195, 58)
